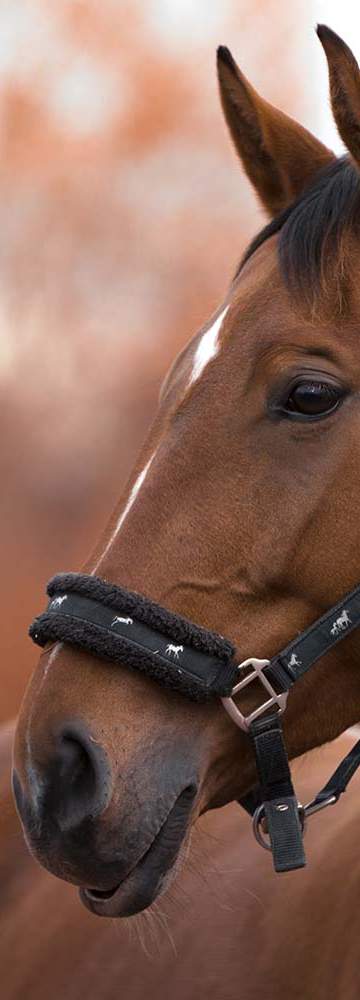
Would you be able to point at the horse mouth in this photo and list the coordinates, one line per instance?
(153, 871)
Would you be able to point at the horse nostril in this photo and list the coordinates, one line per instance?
(75, 767)
(74, 756)
(79, 779)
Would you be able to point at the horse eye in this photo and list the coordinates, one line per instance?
(313, 399)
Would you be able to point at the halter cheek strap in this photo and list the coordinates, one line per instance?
(278, 676)
(129, 629)
(295, 660)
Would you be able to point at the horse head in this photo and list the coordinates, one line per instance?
(230, 519)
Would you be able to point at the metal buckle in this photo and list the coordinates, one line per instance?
(244, 721)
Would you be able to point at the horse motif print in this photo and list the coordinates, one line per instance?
(294, 661)
(121, 621)
(56, 603)
(341, 623)
(174, 651)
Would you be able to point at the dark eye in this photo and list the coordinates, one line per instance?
(312, 399)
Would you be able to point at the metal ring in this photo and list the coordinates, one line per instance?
(258, 819)
(302, 817)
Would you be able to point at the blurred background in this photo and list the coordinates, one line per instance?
(123, 213)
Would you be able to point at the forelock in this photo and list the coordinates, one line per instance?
(312, 246)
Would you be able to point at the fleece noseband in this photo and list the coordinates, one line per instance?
(129, 629)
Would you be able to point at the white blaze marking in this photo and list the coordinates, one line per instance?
(133, 494)
(33, 774)
(205, 351)
(208, 347)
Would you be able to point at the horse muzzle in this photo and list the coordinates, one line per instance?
(155, 868)
(118, 840)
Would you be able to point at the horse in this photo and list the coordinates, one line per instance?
(230, 519)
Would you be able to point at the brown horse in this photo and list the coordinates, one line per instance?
(242, 514)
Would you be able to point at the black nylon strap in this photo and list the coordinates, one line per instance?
(318, 639)
(129, 629)
(277, 793)
(339, 780)
(283, 670)
(328, 795)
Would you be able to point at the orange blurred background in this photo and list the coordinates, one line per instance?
(123, 213)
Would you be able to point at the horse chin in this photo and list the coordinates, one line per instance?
(136, 893)
(153, 873)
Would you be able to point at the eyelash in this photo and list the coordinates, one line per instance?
(281, 406)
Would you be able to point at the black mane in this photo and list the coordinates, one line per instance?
(311, 243)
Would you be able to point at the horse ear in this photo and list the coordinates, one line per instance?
(344, 77)
(280, 157)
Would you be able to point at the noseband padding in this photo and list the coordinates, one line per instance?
(128, 628)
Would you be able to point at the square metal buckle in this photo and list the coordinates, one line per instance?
(244, 721)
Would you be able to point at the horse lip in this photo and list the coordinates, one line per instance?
(102, 894)
(144, 881)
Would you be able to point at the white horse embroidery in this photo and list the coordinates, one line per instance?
(121, 621)
(294, 661)
(174, 651)
(58, 601)
(341, 623)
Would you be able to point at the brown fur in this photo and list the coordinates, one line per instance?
(279, 155)
(318, 238)
(250, 526)
(344, 88)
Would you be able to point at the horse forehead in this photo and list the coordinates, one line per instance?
(261, 293)
(250, 297)
(258, 313)
(258, 283)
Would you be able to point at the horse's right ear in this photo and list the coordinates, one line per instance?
(280, 157)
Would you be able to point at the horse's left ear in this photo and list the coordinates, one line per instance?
(280, 157)
(344, 77)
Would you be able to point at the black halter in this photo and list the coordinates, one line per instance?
(129, 629)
